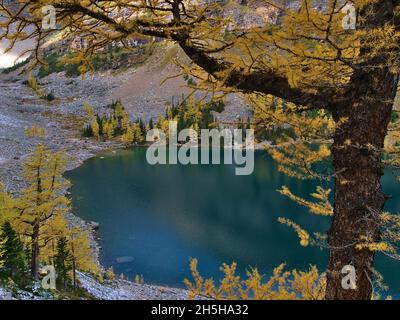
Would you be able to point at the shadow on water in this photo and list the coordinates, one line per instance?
(153, 218)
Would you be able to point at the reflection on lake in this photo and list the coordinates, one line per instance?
(153, 218)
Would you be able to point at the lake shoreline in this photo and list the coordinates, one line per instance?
(64, 117)
(62, 120)
(62, 134)
(117, 289)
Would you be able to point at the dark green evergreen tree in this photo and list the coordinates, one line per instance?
(15, 266)
(63, 263)
(88, 131)
(100, 122)
(142, 127)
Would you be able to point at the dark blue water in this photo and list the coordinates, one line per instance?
(156, 217)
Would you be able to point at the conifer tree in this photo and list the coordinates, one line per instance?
(12, 254)
(63, 263)
(128, 137)
(119, 113)
(1, 254)
(38, 217)
(142, 127)
(95, 128)
(137, 133)
(88, 110)
(81, 252)
(42, 205)
(7, 206)
(125, 123)
(100, 123)
(108, 129)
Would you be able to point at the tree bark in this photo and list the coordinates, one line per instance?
(74, 273)
(35, 253)
(358, 198)
(73, 265)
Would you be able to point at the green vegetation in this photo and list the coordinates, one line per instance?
(111, 58)
(13, 256)
(35, 231)
(53, 66)
(49, 97)
(114, 124)
(32, 83)
(63, 263)
(16, 66)
(190, 113)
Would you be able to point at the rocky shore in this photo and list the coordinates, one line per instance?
(62, 119)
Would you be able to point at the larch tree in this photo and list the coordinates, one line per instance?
(35, 219)
(108, 129)
(95, 128)
(281, 285)
(82, 256)
(7, 208)
(137, 133)
(338, 86)
(42, 205)
(128, 136)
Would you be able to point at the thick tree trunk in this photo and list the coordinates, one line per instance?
(358, 199)
(35, 253)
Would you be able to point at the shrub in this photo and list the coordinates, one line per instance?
(49, 97)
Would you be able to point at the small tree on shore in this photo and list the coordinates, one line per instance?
(63, 263)
(42, 205)
(12, 255)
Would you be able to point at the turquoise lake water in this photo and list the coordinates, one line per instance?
(154, 218)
